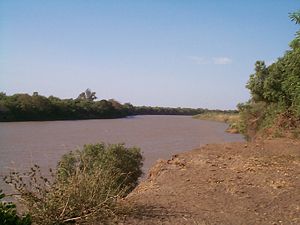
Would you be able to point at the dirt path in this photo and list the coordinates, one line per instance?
(236, 183)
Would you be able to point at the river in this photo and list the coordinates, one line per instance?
(23, 144)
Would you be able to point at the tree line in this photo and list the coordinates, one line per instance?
(35, 107)
(25, 107)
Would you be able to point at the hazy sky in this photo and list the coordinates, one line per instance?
(154, 52)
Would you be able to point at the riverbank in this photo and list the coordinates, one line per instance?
(232, 119)
(234, 183)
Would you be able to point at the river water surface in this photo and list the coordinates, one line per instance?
(24, 143)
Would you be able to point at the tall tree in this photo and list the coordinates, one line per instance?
(295, 16)
(87, 95)
(256, 81)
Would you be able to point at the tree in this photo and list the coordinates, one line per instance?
(295, 16)
(115, 104)
(87, 95)
(256, 81)
(275, 91)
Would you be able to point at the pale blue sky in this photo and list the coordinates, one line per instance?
(158, 53)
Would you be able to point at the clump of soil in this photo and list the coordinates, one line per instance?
(234, 183)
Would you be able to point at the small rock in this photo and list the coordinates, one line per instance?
(174, 156)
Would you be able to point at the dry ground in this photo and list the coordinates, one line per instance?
(234, 183)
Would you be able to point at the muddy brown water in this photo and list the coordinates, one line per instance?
(23, 144)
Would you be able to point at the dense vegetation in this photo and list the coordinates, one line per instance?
(115, 159)
(147, 110)
(85, 188)
(8, 213)
(22, 107)
(25, 107)
(274, 108)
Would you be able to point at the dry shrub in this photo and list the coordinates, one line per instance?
(89, 191)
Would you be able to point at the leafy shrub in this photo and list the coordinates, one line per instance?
(8, 213)
(86, 187)
(262, 119)
(275, 93)
(125, 163)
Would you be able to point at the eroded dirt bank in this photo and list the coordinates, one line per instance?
(235, 183)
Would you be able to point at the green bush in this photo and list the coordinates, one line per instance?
(125, 163)
(8, 213)
(86, 187)
(275, 93)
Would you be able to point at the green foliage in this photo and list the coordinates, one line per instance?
(116, 159)
(148, 110)
(87, 95)
(8, 213)
(86, 188)
(278, 83)
(275, 91)
(272, 86)
(23, 107)
(257, 80)
(295, 16)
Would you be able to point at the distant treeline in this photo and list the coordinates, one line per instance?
(25, 107)
(148, 110)
(35, 107)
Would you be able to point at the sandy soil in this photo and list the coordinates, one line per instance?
(235, 183)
